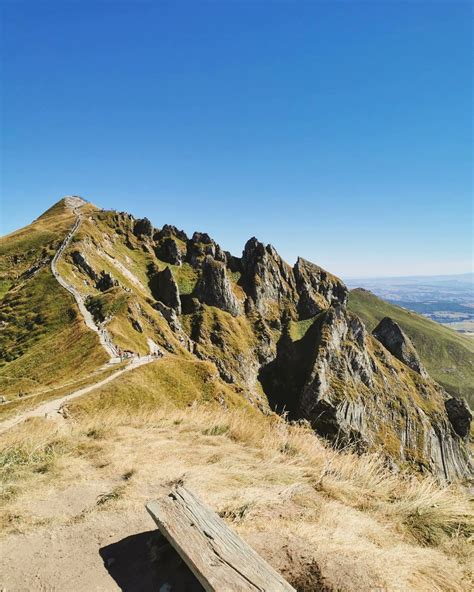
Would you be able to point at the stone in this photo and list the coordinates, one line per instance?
(214, 287)
(170, 251)
(459, 415)
(170, 231)
(165, 289)
(393, 338)
(80, 260)
(143, 228)
(200, 246)
(105, 281)
(266, 278)
(317, 289)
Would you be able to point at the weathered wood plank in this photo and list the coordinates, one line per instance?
(220, 560)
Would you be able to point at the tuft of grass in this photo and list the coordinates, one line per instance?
(216, 430)
(298, 329)
(111, 496)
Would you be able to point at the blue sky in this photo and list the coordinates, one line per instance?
(339, 131)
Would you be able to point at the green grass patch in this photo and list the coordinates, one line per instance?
(298, 329)
(44, 342)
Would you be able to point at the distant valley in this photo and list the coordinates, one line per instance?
(447, 299)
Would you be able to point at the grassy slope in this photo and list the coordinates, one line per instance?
(105, 239)
(447, 355)
(173, 380)
(365, 528)
(43, 340)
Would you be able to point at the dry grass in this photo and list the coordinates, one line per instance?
(364, 527)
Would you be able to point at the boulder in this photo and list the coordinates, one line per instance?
(393, 338)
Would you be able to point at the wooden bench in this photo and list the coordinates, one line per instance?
(220, 560)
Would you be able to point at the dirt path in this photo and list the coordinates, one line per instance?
(51, 408)
(102, 333)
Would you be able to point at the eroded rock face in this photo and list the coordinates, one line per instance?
(215, 289)
(391, 336)
(356, 393)
(201, 246)
(165, 289)
(170, 231)
(81, 261)
(267, 279)
(317, 288)
(170, 251)
(143, 228)
(105, 281)
(459, 415)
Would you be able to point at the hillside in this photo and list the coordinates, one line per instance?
(447, 355)
(281, 338)
(252, 380)
(43, 341)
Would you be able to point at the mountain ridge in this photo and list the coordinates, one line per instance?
(192, 299)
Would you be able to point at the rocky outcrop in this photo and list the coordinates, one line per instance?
(267, 279)
(317, 289)
(201, 246)
(80, 260)
(165, 289)
(143, 228)
(356, 393)
(215, 289)
(393, 338)
(170, 251)
(459, 415)
(105, 281)
(170, 231)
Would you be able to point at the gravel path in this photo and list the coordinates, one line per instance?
(52, 408)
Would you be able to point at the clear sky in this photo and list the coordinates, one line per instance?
(339, 131)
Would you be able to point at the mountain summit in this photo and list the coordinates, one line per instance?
(279, 337)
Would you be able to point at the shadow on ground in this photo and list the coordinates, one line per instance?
(145, 562)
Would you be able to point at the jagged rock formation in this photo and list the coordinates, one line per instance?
(169, 251)
(200, 246)
(317, 288)
(214, 287)
(105, 281)
(391, 336)
(142, 228)
(459, 415)
(165, 289)
(280, 335)
(267, 279)
(82, 263)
